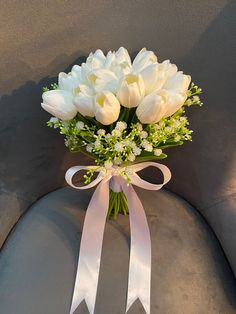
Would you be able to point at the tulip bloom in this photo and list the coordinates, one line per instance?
(178, 83)
(59, 103)
(153, 78)
(131, 90)
(175, 89)
(119, 62)
(174, 102)
(156, 74)
(151, 109)
(68, 82)
(122, 56)
(143, 59)
(84, 101)
(103, 79)
(96, 60)
(107, 107)
(168, 68)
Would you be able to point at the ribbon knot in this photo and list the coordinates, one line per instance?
(139, 282)
(115, 171)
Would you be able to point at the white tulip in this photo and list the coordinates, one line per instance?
(107, 107)
(85, 71)
(121, 70)
(143, 59)
(156, 74)
(119, 62)
(174, 101)
(178, 83)
(168, 68)
(175, 92)
(59, 103)
(131, 90)
(153, 78)
(103, 79)
(151, 109)
(68, 82)
(110, 59)
(76, 69)
(96, 60)
(84, 101)
(123, 60)
(122, 56)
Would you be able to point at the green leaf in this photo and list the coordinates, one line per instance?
(45, 89)
(150, 157)
(170, 144)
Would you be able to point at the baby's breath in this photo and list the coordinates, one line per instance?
(127, 143)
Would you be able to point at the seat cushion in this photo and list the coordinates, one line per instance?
(38, 262)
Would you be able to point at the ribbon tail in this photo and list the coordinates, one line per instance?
(86, 281)
(139, 284)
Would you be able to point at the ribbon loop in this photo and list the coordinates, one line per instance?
(136, 180)
(73, 170)
(139, 283)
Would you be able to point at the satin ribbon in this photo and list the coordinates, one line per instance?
(139, 283)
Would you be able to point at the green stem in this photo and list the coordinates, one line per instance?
(117, 205)
(127, 113)
(122, 114)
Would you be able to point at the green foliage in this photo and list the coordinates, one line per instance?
(53, 86)
(45, 89)
(127, 141)
(193, 98)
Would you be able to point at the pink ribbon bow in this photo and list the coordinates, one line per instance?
(139, 283)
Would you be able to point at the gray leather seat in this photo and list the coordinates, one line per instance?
(38, 262)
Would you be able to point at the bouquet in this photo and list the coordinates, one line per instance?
(123, 115)
(120, 112)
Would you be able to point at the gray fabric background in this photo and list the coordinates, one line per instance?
(40, 38)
